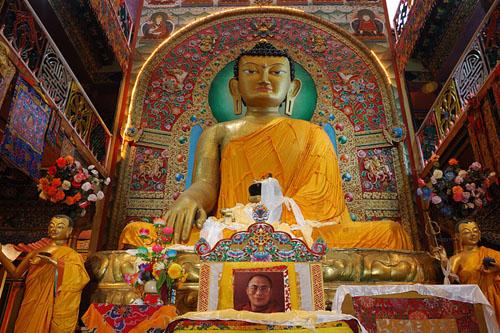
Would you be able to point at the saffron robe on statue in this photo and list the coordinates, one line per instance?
(51, 302)
(469, 272)
(300, 156)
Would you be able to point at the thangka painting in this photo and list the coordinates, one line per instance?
(28, 119)
(183, 88)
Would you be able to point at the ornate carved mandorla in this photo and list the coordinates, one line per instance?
(340, 266)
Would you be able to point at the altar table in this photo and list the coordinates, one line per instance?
(417, 308)
(111, 318)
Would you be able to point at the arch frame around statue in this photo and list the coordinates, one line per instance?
(143, 202)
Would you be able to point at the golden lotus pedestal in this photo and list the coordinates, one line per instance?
(340, 266)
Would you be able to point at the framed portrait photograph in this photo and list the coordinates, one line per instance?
(271, 286)
(264, 290)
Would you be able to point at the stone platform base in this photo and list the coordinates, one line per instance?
(340, 266)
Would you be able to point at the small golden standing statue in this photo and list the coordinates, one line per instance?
(56, 277)
(477, 264)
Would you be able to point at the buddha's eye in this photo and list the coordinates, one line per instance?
(249, 71)
(278, 72)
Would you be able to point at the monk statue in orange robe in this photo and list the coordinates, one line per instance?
(299, 154)
(56, 277)
(477, 264)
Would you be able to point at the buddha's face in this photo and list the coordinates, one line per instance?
(469, 233)
(263, 81)
(59, 228)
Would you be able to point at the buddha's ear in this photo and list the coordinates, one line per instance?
(233, 88)
(235, 92)
(294, 89)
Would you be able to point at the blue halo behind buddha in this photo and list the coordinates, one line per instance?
(221, 104)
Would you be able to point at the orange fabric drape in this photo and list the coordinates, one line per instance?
(301, 157)
(45, 309)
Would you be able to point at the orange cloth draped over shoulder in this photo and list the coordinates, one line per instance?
(51, 305)
(469, 272)
(300, 156)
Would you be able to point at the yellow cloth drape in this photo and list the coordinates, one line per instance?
(300, 156)
(469, 272)
(41, 310)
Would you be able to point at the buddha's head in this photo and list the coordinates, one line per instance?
(468, 231)
(264, 78)
(60, 227)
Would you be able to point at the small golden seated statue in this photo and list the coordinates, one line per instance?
(56, 277)
(299, 154)
(477, 264)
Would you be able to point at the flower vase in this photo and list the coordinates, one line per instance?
(167, 295)
(151, 295)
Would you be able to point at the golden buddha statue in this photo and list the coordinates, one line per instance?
(56, 277)
(477, 264)
(299, 154)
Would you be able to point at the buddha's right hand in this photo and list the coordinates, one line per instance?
(185, 212)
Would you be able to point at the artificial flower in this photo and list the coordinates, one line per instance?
(66, 185)
(457, 189)
(107, 181)
(453, 161)
(159, 221)
(458, 180)
(92, 198)
(59, 196)
(52, 170)
(143, 232)
(462, 173)
(84, 204)
(157, 248)
(458, 197)
(436, 199)
(100, 195)
(86, 186)
(438, 174)
(434, 158)
(175, 271)
(449, 176)
(69, 159)
(476, 166)
(171, 253)
(90, 167)
(61, 162)
(168, 231)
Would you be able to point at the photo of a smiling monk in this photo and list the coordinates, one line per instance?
(264, 293)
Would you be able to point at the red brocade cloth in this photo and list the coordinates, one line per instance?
(370, 309)
(106, 318)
